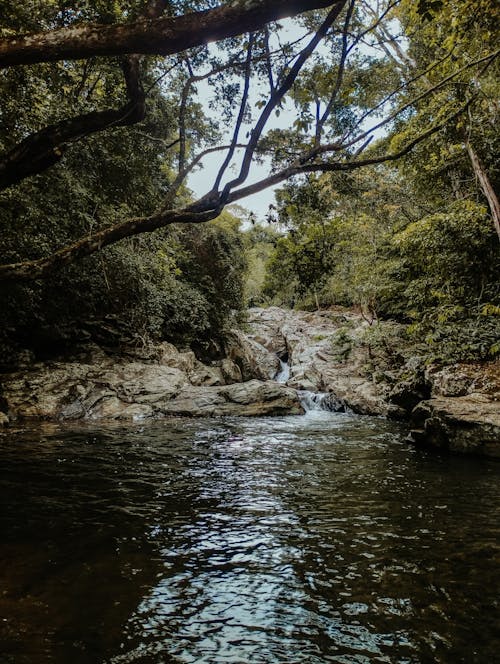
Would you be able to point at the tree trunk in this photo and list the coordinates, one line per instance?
(486, 186)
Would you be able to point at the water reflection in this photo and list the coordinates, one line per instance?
(316, 539)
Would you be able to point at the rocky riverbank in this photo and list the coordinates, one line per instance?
(456, 408)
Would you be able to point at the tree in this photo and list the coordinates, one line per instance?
(329, 135)
(451, 35)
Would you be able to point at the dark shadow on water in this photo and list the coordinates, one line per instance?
(78, 548)
(316, 539)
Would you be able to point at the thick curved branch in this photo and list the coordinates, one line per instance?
(44, 148)
(199, 212)
(29, 270)
(160, 36)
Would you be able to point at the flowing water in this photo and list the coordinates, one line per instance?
(323, 538)
(284, 372)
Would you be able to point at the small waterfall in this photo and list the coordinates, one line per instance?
(284, 372)
(310, 401)
(320, 401)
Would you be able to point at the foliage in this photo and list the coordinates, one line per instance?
(179, 285)
(259, 243)
(410, 242)
(453, 298)
(435, 272)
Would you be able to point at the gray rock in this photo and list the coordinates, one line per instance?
(230, 371)
(309, 340)
(253, 359)
(251, 398)
(134, 390)
(467, 424)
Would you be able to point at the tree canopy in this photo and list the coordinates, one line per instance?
(85, 74)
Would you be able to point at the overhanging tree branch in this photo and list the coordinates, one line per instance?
(160, 36)
(204, 210)
(44, 148)
(344, 144)
(241, 115)
(278, 95)
(298, 167)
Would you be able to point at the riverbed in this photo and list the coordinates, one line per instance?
(322, 538)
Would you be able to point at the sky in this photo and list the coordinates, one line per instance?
(200, 181)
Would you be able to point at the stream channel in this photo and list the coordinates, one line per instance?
(307, 539)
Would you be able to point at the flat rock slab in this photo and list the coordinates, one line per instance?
(252, 398)
(134, 391)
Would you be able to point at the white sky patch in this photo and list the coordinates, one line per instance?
(201, 180)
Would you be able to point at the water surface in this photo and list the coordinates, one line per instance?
(314, 539)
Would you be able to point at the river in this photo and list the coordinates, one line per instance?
(323, 538)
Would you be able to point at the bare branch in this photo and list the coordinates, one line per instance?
(268, 60)
(278, 95)
(340, 74)
(182, 175)
(343, 144)
(241, 115)
(298, 167)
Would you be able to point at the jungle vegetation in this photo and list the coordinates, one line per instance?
(387, 167)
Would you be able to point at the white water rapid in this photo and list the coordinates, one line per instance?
(310, 401)
(319, 401)
(284, 372)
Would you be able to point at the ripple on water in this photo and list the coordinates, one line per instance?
(313, 539)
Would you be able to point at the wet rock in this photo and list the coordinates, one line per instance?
(112, 408)
(133, 390)
(230, 371)
(252, 358)
(406, 394)
(73, 390)
(310, 340)
(467, 424)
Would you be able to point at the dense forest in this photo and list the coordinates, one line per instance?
(387, 173)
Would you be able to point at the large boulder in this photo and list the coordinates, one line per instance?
(250, 398)
(73, 390)
(467, 424)
(133, 391)
(252, 358)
